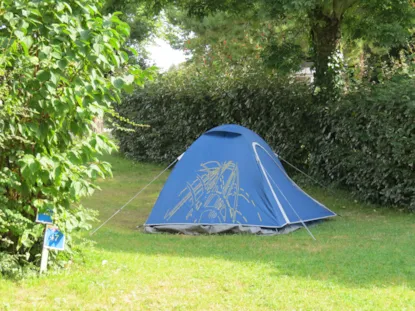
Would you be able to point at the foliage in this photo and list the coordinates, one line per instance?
(365, 142)
(401, 62)
(225, 40)
(61, 65)
(317, 30)
(381, 23)
(142, 22)
(11, 266)
(182, 105)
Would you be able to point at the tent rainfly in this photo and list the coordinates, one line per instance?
(230, 180)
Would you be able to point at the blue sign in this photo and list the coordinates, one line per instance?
(44, 218)
(54, 239)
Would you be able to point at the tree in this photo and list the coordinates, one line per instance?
(143, 20)
(230, 41)
(382, 22)
(61, 65)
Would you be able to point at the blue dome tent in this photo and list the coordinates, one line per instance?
(230, 180)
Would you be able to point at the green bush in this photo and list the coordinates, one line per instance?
(61, 66)
(365, 142)
(179, 108)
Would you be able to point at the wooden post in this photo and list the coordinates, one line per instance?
(45, 255)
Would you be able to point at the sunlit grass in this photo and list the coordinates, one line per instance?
(364, 260)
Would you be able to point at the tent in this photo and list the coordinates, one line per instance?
(230, 180)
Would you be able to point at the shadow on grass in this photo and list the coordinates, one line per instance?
(359, 258)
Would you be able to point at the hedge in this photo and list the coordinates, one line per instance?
(365, 142)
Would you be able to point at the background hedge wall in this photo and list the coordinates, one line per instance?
(365, 143)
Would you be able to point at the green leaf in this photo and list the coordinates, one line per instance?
(34, 60)
(19, 34)
(54, 78)
(8, 16)
(114, 43)
(28, 41)
(117, 82)
(129, 88)
(63, 63)
(129, 79)
(43, 75)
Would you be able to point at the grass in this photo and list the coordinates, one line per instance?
(364, 260)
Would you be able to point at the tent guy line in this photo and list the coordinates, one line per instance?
(137, 194)
(299, 218)
(304, 173)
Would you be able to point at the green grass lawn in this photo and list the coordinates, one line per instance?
(364, 260)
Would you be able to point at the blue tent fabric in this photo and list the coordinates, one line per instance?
(230, 180)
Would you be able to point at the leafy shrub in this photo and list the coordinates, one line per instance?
(180, 107)
(11, 266)
(61, 66)
(367, 143)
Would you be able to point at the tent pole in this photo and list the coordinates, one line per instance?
(302, 222)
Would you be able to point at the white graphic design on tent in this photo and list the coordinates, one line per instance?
(213, 196)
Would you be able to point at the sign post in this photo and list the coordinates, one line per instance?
(53, 239)
(45, 256)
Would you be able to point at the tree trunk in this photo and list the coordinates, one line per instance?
(325, 32)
